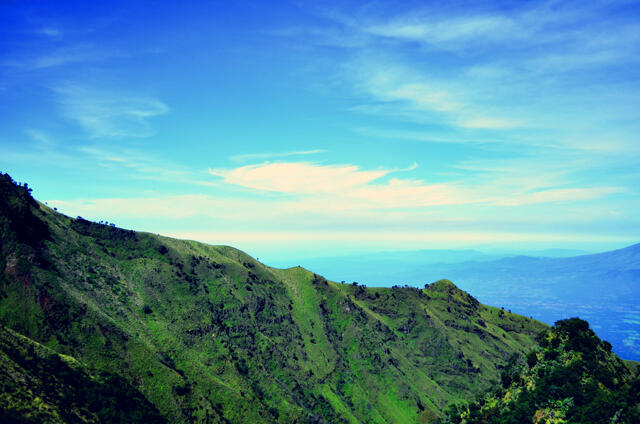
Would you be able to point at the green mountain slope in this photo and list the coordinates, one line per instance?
(572, 377)
(209, 334)
(38, 385)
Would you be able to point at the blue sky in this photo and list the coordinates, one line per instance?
(305, 128)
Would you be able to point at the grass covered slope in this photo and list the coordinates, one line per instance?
(209, 334)
(39, 385)
(572, 377)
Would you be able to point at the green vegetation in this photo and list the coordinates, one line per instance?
(38, 385)
(572, 377)
(209, 334)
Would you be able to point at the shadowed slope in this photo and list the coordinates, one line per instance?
(38, 385)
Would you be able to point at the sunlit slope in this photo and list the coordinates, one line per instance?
(209, 334)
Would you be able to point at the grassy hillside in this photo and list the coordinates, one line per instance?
(209, 334)
(604, 288)
(572, 377)
(39, 385)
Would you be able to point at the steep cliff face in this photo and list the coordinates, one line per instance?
(209, 334)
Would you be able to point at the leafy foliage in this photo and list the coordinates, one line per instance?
(572, 377)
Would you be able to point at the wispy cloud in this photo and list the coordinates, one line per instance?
(109, 114)
(136, 164)
(426, 136)
(549, 24)
(69, 55)
(38, 148)
(116, 158)
(258, 156)
(488, 123)
(39, 58)
(560, 195)
(524, 68)
(350, 188)
(301, 202)
(42, 138)
(50, 31)
(403, 92)
(396, 239)
(522, 116)
(421, 27)
(295, 224)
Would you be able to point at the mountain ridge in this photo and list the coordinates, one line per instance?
(604, 287)
(210, 334)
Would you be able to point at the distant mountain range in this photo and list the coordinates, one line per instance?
(603, 288)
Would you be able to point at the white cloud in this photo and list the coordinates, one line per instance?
(559, 195)
(526, 181)
(424, 136)
(420, 96)
(244, 222)
(401, 91)
(441, 31)
(488, 123)
(403, 193)
(69, 55)
(173, 207)
(109, 114)
(257, 156)
(309, 205)
(40, 148)
(528, 67)
(121, 157)
(40, 137)
(346, 187)
(394, 83)
(299, 177)
(51, 32)
(59, 56)
(548, 23)
(407, 239)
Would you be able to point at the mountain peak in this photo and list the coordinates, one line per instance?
(453, 294)
(17, 218)
(443, 285)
